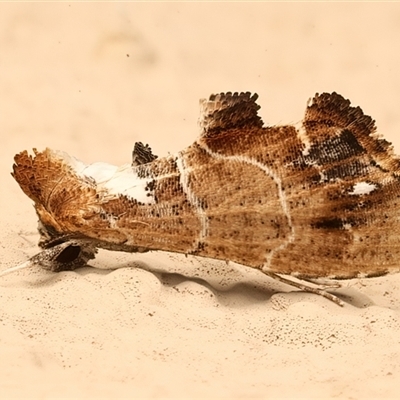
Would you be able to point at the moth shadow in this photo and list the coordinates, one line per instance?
(257, 288)
(230, 294)
(353, 297)
(238, 294)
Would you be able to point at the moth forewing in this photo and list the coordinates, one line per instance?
(316, 201)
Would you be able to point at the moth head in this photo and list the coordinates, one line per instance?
(60, 255)
(62, 252)
(64, 255)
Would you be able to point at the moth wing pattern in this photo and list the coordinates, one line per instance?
(327, 114)
(319, 200)
(51, 180)
(348, 198)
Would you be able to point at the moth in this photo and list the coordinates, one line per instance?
(315, 200)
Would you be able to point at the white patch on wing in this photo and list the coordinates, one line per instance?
(125, 181)
(302, 134)
(100, 171)
(77, 165)
(361, 188)
(184, 172)
(111, 180)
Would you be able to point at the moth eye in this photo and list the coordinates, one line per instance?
(69, 254)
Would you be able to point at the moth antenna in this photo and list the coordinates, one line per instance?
(24, 265)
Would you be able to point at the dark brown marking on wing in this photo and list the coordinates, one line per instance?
(142, 154)
(329, 113)
(335, 149)
(342, 233)
(226, 111)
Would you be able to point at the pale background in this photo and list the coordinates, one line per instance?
(91, 79)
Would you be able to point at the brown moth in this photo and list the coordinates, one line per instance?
(315, 201)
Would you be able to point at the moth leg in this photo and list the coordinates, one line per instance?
(322, 283)
(305, 288)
